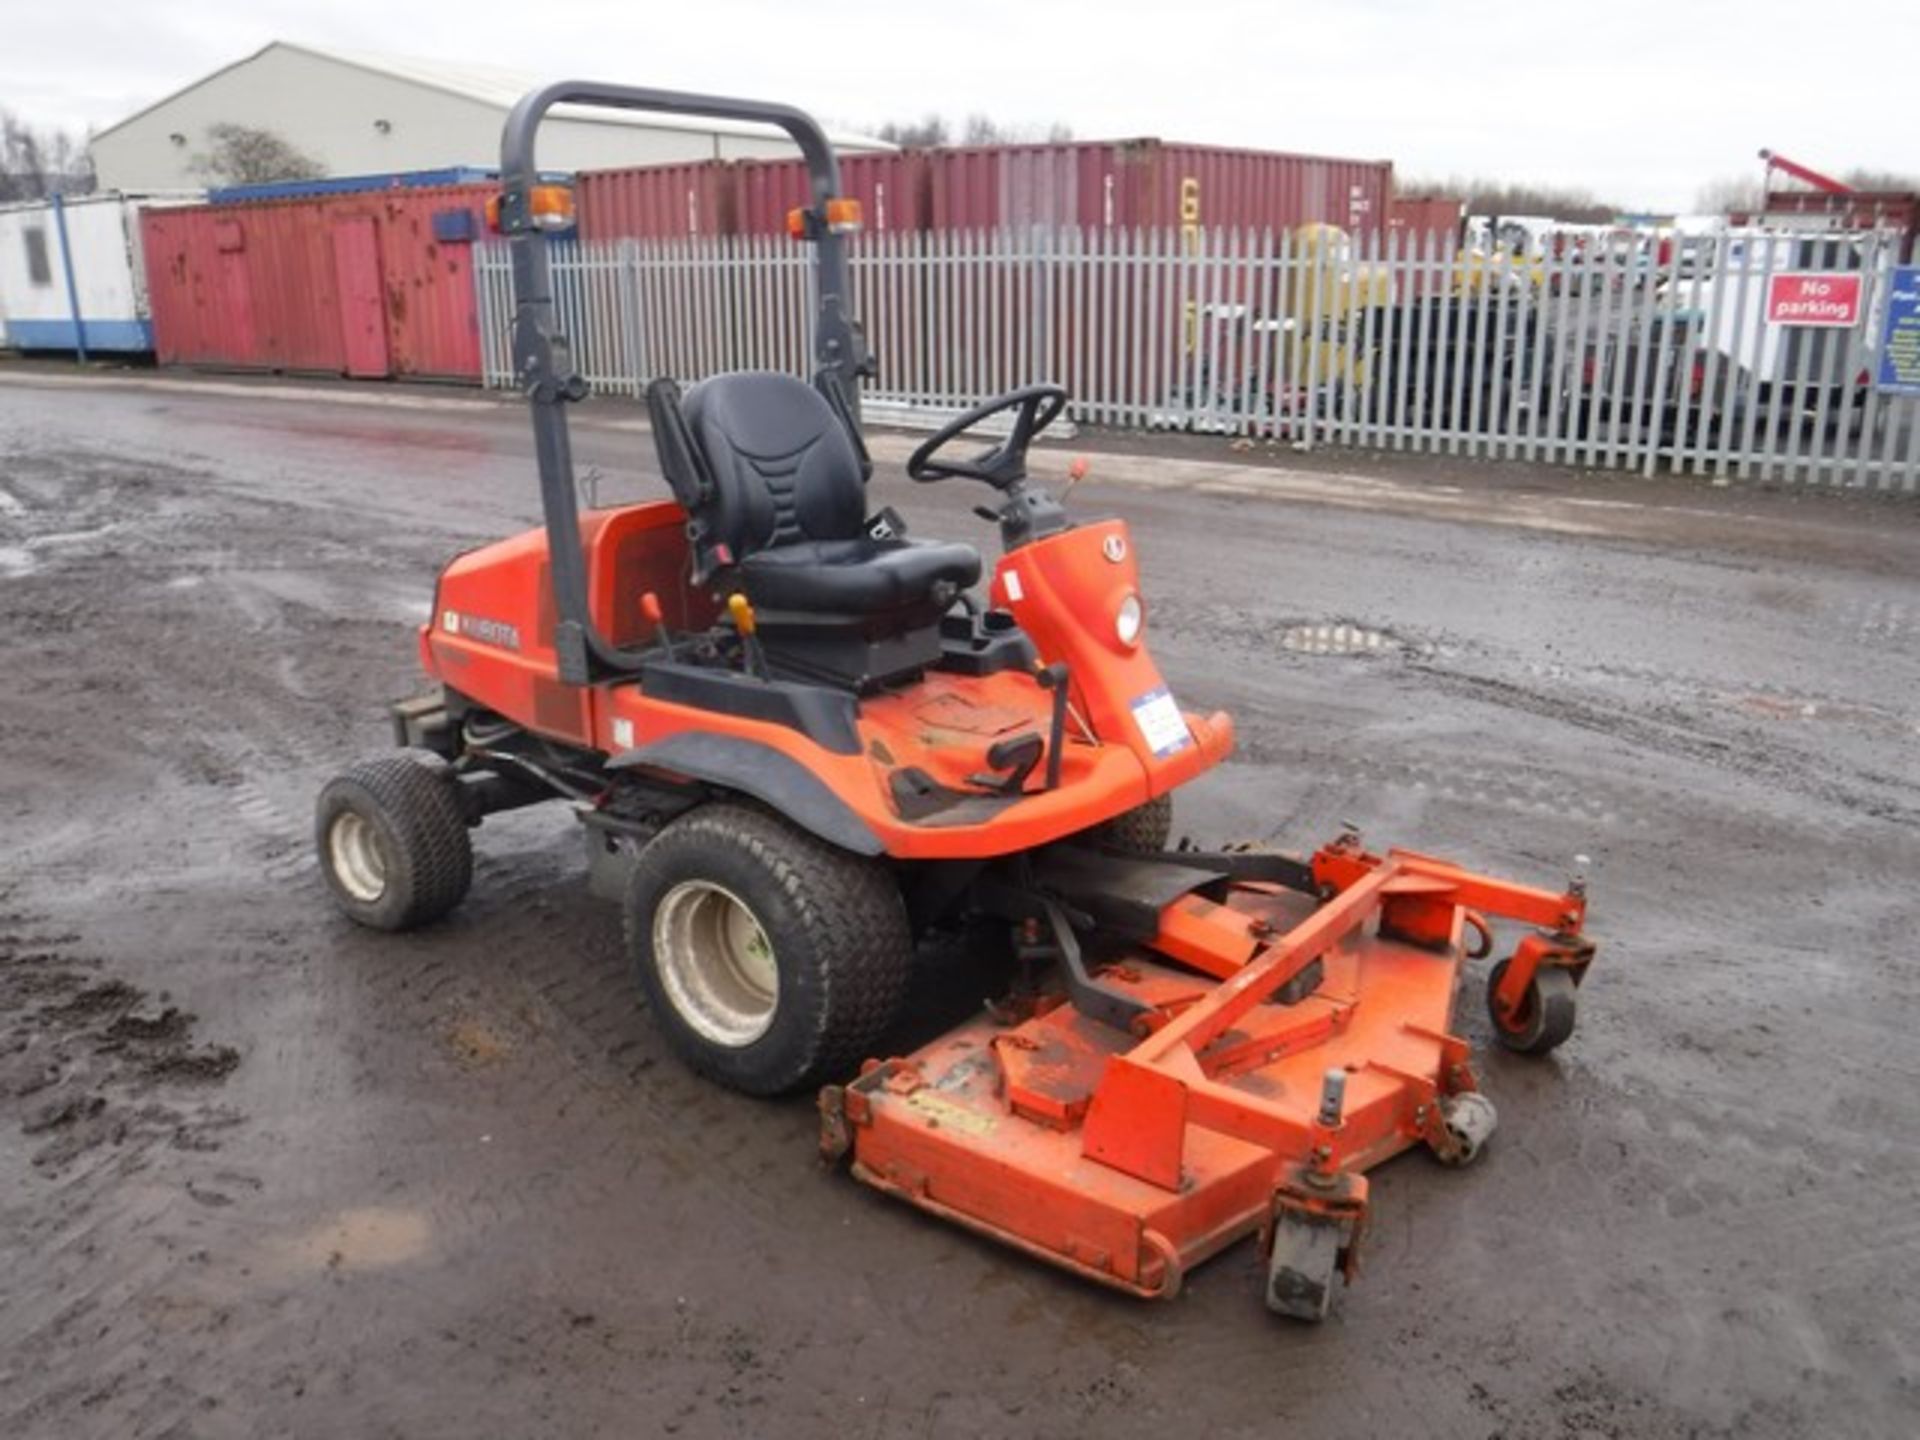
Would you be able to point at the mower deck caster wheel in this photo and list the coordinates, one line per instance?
(1314, 1225)
(1301, 1267)
(393, 840)
(1470, 1120)
(1545, 1018)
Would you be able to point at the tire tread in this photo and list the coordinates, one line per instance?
(413, 792)
(852, 912)
(1143, 830)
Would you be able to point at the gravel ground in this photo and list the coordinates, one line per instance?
(262, 1173)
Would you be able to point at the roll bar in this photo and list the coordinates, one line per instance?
(543, 359)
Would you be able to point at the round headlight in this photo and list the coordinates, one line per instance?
(1129, 619)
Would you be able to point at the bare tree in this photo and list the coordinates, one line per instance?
(244, 155)
(929, 129)
(1880, 180)
(976, 129)
(1730, 194)
(37, 163)
(985, 130)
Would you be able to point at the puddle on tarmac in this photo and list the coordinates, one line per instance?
(1797, 708)
(369, 1237)
(17, 560)
(78, 537)
(478, 1043)
(1339, 639)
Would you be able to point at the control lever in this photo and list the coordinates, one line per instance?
(1076, 472)
(1054, 677)
(741, 609)
(651, 612)
(1015, 757)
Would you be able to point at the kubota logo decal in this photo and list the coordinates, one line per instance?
(478, 627)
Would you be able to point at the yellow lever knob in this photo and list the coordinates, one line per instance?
(741, 609)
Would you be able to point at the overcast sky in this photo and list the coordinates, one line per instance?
(1637, 100)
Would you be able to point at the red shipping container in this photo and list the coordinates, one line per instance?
(891, 187)
(651, 202)
(1431, 215)
(369, 283)
(1130, 183)
(1152, 184)
(742, 197)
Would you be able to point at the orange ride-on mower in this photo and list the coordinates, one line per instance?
(799, 740)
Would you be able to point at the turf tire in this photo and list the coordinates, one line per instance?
(1143, 830)
(835, 923)
(409, 805)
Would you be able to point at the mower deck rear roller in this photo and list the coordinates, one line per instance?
(1282, 1044)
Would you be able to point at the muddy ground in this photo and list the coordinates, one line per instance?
(265, 1174)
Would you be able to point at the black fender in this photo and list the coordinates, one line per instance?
(776, 780)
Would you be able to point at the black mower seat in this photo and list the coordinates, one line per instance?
(859, 576)
(789, 503)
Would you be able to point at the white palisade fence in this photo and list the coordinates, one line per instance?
(1637, 356)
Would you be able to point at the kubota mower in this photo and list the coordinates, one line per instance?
(799, 740)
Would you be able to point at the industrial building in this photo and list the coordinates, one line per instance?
(361, 114)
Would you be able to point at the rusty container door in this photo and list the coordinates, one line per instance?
(426, 258)
(363, 311)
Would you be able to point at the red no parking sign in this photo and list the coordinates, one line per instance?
(1812, 297)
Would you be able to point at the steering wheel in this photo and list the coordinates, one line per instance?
(1002, 465)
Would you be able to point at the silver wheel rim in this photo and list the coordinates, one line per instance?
(355, 857)
(715, 963)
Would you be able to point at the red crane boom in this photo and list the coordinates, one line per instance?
(1810, 176)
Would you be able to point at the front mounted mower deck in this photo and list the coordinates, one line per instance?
(1254, 1045)
(799, 740)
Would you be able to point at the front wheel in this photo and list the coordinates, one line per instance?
(1143, 830)
(772, 960)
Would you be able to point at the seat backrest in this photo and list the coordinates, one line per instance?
(779, 459)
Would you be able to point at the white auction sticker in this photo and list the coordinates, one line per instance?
(1161, 723)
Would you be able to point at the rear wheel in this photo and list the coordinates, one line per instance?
(393, 840)
(772, 960)
(1143, 830)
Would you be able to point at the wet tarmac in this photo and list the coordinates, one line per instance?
(262, 1173)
